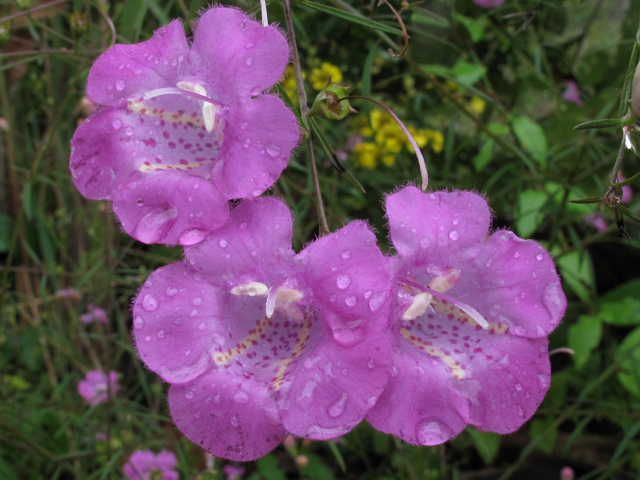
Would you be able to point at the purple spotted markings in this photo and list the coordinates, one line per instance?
(182, 129)
(472, 315)
(258, 341)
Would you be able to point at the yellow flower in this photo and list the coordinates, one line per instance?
(289, 83)
(367, 154)
(320, 76)
(437, 140)
(477, 104)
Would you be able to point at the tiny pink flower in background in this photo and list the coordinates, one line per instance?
(94, 314)
(596, 220)
(489, 3)
(182, 129)
(627, 191)
(144, 465)
(259, 342)
(4, 124)
(302, 461)
(232, 472)
(468, 339)
(95, 386)
(567, 473)
(572, 93)
(70, 293)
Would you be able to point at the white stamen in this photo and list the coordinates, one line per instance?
(289, 295)
(208, 109)
(251, 289)
(419, 305)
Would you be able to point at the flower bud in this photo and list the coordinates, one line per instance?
(327, 104)
(635, 94)
(78, 23)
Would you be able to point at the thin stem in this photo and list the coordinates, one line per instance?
(404, 32)
(263, 9)
(31, 10)
(423, 167)
(304, 110)
(616, 166)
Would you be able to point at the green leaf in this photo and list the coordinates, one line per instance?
(532, 137)
(537, 428)
(628, 354)
(475, 27)
(350, 17)
(577, 273)
(316, 469)
(584, 336)
(487, 444)
(484, 155)
(530, 213)
(269, 468)
(27, 203)
(421, 15)
(621, 306)
(468, 73)
(603, 123)
(6, 230)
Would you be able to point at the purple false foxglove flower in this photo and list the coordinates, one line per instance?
(144, 465)
(183, 129)
(473, 312)
(94, 314)
(571, 93)
(258, 341)
(96, 386)
(489, 3)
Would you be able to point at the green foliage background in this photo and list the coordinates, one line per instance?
(520, 151)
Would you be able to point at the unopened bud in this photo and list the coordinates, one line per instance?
(331, 102)
(78, 23)
(289, 441)
(302, 461)
(635, 94)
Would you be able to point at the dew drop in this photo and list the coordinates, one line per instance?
(249, 45)
(223, 243)
(255, 92)
(432, 432)
(147, 338)
(121, 66)
(234, 421)
(394, 371)
(194, 312)
(371, 363)
(520, 411)
(160, 333)
(248, 61)
(120, 84)
(138, 323)
(424, 243)
(190, 198)
(454, 235)
(338, 408)
(368, 293)
(128, 131)
(242, 226)
(351, 301)
(189, 394)
(456, 221)
(377, 301)
(241, 397)
(116, 124)
(516, 255)
(332, 298)
(197, 301)
(187, 352)
(191, 237)
(343, 281)
(196, 186)
(202, 326)
(140, 202)
(518, 387)
(543, 381)
(273, 150)
(346, 254)
(254, 253)
(150, 303)
(196, 415)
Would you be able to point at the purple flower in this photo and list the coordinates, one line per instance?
(184, 129)
(489, 3)
(94, 314)
(232, 472)
(627, 191)
(477, 354)
(258, 341)
(143, 464)
(596, 220)
(96, 385)
(571, 93)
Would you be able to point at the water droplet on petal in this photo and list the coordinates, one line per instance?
(190, 198)
(155, 225)
(332, 298)
(242, 226)
(234, 421)
(187, 352)
(351, 301)
(346, 254)
(248, 61)
(191, 236)
(368, 293)
(160, 333)
(273, 150)
(520, 411)
(147, 338)
(223, 243)
(138, 323)
(150, 303)
(128, 131)
(338, 408)
(371, 363)
(454, 235)
(120, 84)
(116, 124)
(543, 381)
(343, 281)
(539, 257)
(202, 326)
(377, 301)
(241, 397)
(189, 394)
(516, 255)
(121, 66)
(432, 432)
(518, 387)
(424, 243)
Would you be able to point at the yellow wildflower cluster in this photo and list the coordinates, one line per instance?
(320, 76)
(385, 140)
(289, 83)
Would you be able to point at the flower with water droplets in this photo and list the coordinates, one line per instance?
(182, 129)
(258, 341)
(96, 386)
(472, 315)
(144, 465)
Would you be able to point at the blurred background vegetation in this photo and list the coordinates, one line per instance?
(484, 91)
